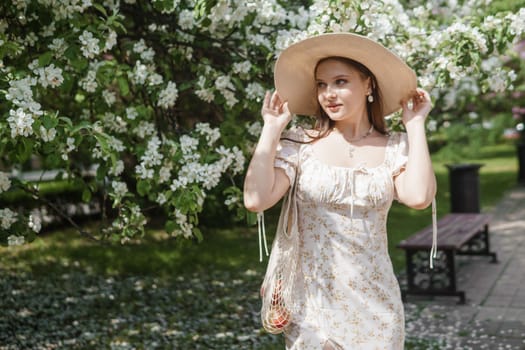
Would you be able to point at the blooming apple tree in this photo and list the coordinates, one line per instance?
(161, 97)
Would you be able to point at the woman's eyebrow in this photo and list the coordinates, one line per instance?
(335, 77)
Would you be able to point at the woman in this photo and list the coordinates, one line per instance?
(350, 168)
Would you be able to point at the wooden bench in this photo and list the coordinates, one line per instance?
(458, 234)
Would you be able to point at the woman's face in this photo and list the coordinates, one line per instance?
(341, 90)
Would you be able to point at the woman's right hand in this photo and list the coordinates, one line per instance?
(274, 111)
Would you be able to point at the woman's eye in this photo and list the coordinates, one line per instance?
(341, 81)
(320, 85)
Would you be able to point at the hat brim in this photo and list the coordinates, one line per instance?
(294, 70)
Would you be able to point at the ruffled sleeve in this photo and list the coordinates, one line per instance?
(287, 152)
(400, 146)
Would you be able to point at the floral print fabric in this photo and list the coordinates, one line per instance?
(348, 296)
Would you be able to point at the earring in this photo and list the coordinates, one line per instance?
(370, 98)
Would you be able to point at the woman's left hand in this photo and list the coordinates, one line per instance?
(421, 106)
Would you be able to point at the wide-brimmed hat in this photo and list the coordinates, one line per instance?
(294, 70)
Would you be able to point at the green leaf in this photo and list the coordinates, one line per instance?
(24, 150)
(86, 195)
(45, 59)
(170, 226)
(143, 187)
(81, 126)
(198, 234)
(101, 172)
(101, 9)
(53, 160)
(251, 218)
(79, 64)
(123, 85)
(48, 121)
(67, 121)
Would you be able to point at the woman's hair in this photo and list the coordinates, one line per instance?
(323, 124)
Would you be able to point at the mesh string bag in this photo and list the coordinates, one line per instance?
(278, 305)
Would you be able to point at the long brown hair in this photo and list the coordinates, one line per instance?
(323, 124)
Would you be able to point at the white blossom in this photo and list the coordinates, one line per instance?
(50, 76)
(65, 9)
(59, 46)
(139, 46)
(144, 129)
(120, 189)
(254, 91)
(188, 144)
(31, 39)
(117, 168)
(186, 19)
(230, 98)
(165, 173)
(131, 113)
(116, 144)
(242, 67)
(155, 79)
(206, 95)
(148, 55)
(255, 128)
(35, 220)
(111, 40)
(223, 82)
(5, 183)
(114, 122)
(161, 198)
(48, 30)
(179, 182)
(47, 135)
(168, 96)
(152, 156)
(14, 240)
(231, 200)
(7, 218)
(139, 74)
(70, 144)
(89, 83)
(90, 45)
(109, 97)
(185, 227)
(211, 134)
(143, 172)
(20, 90)
(517, 26)
(20, 122)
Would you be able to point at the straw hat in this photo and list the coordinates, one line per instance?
(294, 70)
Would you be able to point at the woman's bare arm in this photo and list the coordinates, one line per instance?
(264, 184)
(416, 185)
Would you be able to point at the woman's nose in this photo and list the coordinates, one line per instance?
(329, 92)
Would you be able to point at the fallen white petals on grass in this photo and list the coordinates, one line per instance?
(77, 309)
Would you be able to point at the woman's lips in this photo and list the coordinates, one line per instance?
(334, 107)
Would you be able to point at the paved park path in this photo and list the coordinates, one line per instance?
(494, 314)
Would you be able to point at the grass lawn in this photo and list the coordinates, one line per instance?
(63, 291)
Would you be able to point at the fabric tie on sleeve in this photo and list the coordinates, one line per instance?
(262, 235)
(433, 250)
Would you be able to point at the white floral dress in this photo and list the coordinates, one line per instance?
(348, 295)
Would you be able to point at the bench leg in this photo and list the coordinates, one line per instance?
(479, 245)
(440, 281)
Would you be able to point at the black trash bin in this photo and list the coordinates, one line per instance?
(521, 163)
(464, 188)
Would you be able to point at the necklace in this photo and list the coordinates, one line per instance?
(351, 148)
